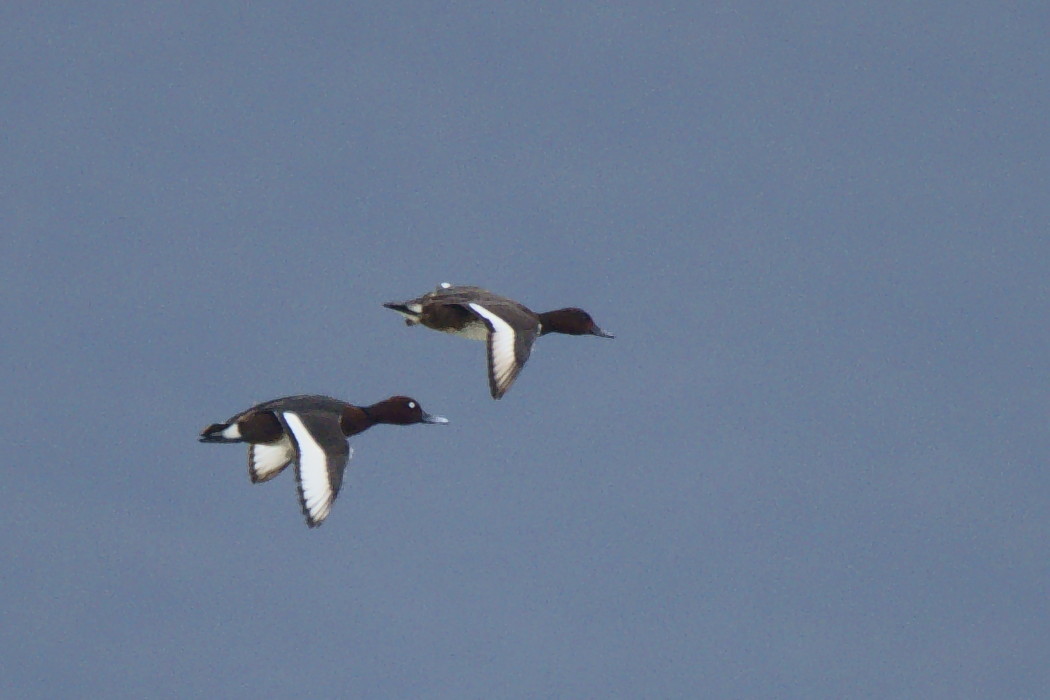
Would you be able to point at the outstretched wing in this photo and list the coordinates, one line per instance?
(267, 459)
(508, 345)
(321, 455)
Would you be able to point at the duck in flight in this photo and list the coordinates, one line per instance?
(311, 431)
(507, 327)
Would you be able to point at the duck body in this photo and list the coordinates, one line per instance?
(508, 327)
(310, 431)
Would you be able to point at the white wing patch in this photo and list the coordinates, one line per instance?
(504, 361)
(313, 470)
(266, 460)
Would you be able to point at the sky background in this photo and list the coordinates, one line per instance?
(813, 462)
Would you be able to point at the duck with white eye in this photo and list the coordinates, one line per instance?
(508, 328)
(312, 432)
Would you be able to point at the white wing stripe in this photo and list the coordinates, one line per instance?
(504, 359)
(313, 469)
(270, 458)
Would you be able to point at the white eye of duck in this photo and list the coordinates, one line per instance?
(411, 404)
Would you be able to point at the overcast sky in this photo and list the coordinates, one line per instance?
(813, 462)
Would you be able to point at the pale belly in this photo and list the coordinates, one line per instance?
(472, 331)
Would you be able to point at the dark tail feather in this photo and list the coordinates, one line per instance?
(213, 433)
(411, 317)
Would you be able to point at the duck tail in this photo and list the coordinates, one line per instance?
(219, 432)
(412, 313)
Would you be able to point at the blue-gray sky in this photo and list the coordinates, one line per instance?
(812, 463)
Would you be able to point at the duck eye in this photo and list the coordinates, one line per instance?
(411, 404)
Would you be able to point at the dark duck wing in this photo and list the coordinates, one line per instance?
(321, 456)
(512, 330)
